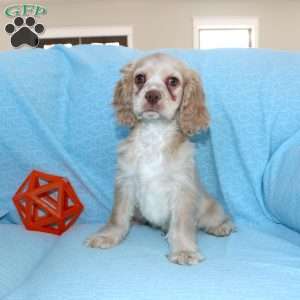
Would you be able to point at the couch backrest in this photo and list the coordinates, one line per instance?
(56, 116)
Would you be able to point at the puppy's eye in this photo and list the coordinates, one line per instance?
(172, 81)
(140, 79)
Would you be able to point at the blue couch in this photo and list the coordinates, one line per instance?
(56, 116)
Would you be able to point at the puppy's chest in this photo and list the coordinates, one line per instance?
(152, 175)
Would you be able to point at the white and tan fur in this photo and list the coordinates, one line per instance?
(156, 179)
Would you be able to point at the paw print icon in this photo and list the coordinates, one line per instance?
(24, 31)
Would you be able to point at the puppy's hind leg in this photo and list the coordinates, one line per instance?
(212, 218)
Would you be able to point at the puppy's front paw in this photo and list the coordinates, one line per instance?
(99, 240)
(222, 230)
(185, 257)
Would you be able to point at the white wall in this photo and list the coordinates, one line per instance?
(169, 23)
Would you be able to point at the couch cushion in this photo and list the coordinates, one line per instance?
(3, 212)
(281, 183)
(250, 264)
(20, 252)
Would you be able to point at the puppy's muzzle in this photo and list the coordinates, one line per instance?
(153, 96)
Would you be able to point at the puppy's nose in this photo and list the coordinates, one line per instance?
(153, 96)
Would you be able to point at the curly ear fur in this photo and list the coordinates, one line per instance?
(193, 115)
(123, 97)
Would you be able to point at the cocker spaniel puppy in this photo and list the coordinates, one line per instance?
(163, 102)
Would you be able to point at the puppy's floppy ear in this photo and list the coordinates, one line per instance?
(123, 97)
(193, 115)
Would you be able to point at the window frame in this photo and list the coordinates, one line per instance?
(70, 32)
(202, 23)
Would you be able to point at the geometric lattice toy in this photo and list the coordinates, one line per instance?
(47, 203)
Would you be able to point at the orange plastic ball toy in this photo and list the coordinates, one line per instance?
(47, 203)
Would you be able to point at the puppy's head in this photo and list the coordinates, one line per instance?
(161, 87)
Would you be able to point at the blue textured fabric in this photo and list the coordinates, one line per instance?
(56, 116)
(20, 252)
(3, 212)
(281, 183)
(250, 264)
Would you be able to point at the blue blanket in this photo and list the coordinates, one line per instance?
(250, 264)
(56, 116)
